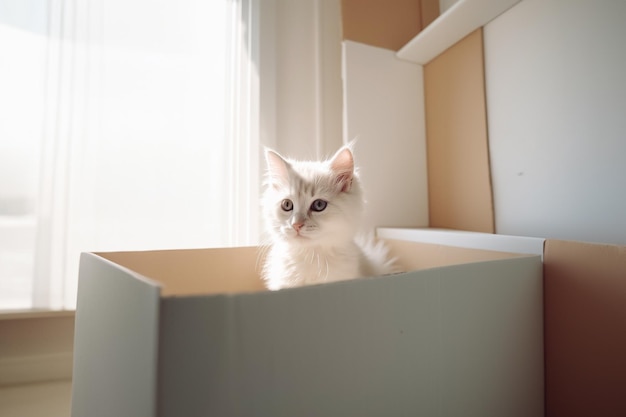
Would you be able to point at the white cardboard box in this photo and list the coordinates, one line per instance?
(193, 333)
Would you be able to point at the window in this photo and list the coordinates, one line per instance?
(126, 125)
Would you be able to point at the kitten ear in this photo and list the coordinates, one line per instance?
(277, 171)
(342, 165)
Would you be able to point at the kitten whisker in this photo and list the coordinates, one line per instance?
(327, 271)
(260, 264)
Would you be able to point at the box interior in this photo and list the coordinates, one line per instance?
(235, 270)
(196, 271)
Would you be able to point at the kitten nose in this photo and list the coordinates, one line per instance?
(297, 225)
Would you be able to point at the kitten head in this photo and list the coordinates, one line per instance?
(310, 203)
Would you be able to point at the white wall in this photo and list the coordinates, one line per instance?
(300, 70)
(556, 99)
(384, 109)
(302, 100)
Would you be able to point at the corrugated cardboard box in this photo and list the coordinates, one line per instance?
(193, 332)
(585, 321)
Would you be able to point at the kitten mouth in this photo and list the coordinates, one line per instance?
(297, 236)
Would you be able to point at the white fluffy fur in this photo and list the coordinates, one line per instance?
(326, 247)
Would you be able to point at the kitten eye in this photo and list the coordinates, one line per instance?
(286, 205)
(319, 205)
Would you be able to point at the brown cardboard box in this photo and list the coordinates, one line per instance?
(585, 325)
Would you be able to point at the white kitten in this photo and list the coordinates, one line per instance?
(313, 213)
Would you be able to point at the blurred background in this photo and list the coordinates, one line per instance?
(125, 126)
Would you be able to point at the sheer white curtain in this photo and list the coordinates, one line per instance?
(147, 138)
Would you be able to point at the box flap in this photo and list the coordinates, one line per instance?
(465, 239)
(115, 345)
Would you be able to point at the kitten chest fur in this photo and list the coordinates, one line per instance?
(287, 266)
